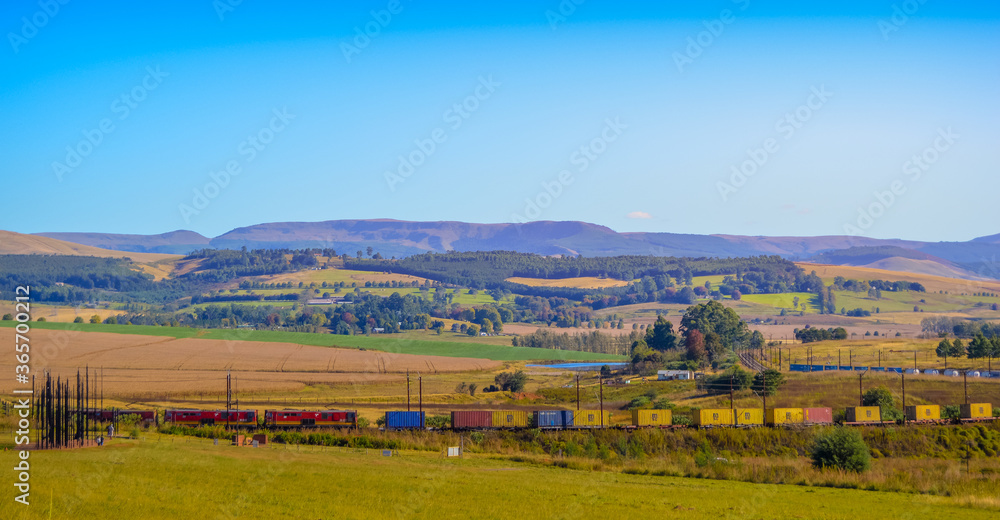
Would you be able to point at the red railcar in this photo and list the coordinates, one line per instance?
(242, 418)
(112, 415)
(310, 418)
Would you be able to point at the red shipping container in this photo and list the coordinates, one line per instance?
(817, 415)
(471, 419)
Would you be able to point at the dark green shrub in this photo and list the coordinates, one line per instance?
(841, 448)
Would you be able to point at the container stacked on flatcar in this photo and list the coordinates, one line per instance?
(713, 417)
(812, 416)
(863, 414)
(591, 419)
(310, 418)
(554, 419)
(976, 412)
(746, 417)
(510, 419)
(400, 420)
(923, 413)
(471, 420)
(785, 416)
(656, 418)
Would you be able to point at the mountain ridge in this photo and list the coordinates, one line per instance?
(390, 237)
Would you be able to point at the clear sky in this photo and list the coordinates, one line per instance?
(119, 112)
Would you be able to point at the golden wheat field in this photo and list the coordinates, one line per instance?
(160, 364)
(930, 282)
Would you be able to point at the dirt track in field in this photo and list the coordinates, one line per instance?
(135, 364)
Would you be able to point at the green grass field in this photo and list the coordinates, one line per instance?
(386, 343)
(904, 301)
(165, 477)
(715, 279)
(785, 301)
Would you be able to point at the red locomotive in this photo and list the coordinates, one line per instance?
(310, 418)
(242, 418)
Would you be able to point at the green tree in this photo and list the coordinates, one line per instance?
(511, 381)
(487, 326)
(95, 319)
(78, 319)
(841, 448)
(943, 350)
(713, 317)
(472, 330)
(768, 381)
(8, 317)
(957, 348)
(979, 347)
(880, 397)
(661, 335)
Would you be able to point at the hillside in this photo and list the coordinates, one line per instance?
(403, 238)
(175, 242)
(19, 244)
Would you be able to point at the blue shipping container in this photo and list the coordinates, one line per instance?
(404, 420)
(553, 418)
(878, 369)
(817, 368)
(848, 368)
(798, 368)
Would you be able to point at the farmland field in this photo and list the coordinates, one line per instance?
(930, 282)
(337, 275)
(785, 301)
(384, 343)
(312, 482)
(583, 282)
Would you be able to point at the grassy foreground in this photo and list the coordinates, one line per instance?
(166, 477)
(384, 343)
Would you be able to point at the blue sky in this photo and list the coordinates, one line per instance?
(892, 131)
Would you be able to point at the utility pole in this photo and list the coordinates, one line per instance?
(763, 377)
(903, 376)
(578, 392)
(420, 383)
(861, 393)
(965, 381)
(229, 395)
(600, 379)
(407, 390)
(731, 393)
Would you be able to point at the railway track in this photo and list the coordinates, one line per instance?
(750, 363)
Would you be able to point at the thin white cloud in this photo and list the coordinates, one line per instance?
(639, 214)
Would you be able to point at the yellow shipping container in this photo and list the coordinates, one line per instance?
(860, 414)
(929, 412)
(778, 416)
(750, 416)
(977, 411)
(510, 419)
(652, 417)
(590, 418)
(714, 417)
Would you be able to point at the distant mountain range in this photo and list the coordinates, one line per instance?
(973, 259)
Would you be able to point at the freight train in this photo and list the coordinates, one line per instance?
(579, 419)
(238, 419)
